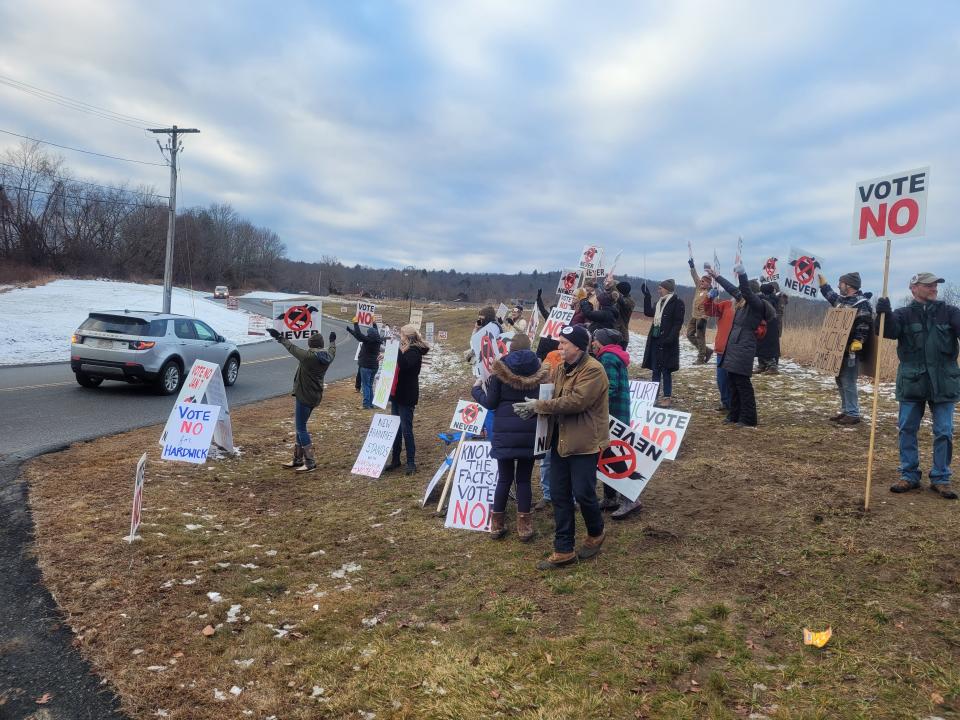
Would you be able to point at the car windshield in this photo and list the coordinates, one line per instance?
(123, 325)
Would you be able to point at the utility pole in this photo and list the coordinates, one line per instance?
(173, 148)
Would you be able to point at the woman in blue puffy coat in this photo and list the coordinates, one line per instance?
(515, 377)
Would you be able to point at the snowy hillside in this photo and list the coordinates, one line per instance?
(36, 323)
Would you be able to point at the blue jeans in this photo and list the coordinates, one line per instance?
(723, 383)
(574, 477)
(664, 377)
(545, 477)
(301, 413)
(847, 385)
(908, 424)
(406, 433)
(366, 385)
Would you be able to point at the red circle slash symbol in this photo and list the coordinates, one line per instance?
(620, 454)
(297, 318)
(569, 281)
(803, 270)
(469, 414)
(488, 351)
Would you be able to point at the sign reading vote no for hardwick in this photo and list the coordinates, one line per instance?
(892, 206)
(189, 431)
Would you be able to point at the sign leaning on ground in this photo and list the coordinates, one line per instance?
(206, 383)
(832, 342)
(429, 333)
(297, 321)
(664, 426)
(643, 393)
(377, 445)
(189, 431)
(256, 325)
(366, 312)
(800, 277)
(137, 510)
(441, 335)
(542, 437)
(630, 461)
(388, 369)
(474, 481)
(892, 206)
(468, 417)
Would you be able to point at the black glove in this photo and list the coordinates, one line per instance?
(690, 263)
(273, 333)
(332, 337)
(643, 289)
(539, 293)
(883, 306)
(585, 306)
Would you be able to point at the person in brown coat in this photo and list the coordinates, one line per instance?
(579, 416)
(697, 325)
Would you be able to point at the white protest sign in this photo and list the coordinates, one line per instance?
(630, 461)
(569, 281)
(189, 431)
(770, 272)
(502, 312)
(441, 335)
(429, 335)
(137, 510)
(381, 394)
(297, 321)
(416, 318)
(486, 349)
(565, 302)
(468, 417)
(591, 257)
(534, 323)
(555, 323)
(432, 485)
(377, 445)
(256, 325)
(344, 308)
(800, 277)
(474, 481)
(643, 393)
(892, 206)
(366, 312)
(663, 426)
(541, 440)
(206, 383)
(216, 394)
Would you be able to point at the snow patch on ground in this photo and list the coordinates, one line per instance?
(266, 295)
(36, 323)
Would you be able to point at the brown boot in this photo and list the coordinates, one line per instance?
(309, 460)
(557, 560)
(591, 546)
(297, 458)
(498, 525)
(525, 526)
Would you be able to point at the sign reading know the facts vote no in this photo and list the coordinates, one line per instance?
(474, 481)
(377, 445)
(892, 206)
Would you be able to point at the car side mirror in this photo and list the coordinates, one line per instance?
(221, 338)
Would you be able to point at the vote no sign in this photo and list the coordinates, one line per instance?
(892, 206)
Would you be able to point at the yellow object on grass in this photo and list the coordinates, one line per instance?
(817, 639)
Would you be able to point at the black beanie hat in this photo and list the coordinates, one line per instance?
(577, 334)
(768, 288)
(851, 279)
(624, 287)
(606, 336)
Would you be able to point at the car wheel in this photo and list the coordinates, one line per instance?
(231, 370)
(171, 377)
(89, 381)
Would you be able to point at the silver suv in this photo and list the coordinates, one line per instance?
(147, 347)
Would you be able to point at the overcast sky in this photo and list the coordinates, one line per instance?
(505, 135)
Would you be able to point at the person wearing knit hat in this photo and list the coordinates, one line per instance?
(604, 315)
(661, 354)
(851, 296)
(625, 308)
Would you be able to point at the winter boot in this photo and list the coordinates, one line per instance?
(297, 458)
(498, 525)
(309, 460)
(525, 526)
(591, 546)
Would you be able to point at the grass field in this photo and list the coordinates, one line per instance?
(339, 597)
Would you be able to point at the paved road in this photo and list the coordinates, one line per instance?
(43, 408)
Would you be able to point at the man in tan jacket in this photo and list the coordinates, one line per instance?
(578, 430)
(697, 325)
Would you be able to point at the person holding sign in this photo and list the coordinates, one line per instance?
(578, 429)
(926, 332)
(514, 319)
(768, 347)
(406, 394)
(661, 354)
(307, 391)
(515, 375)
(860, 333)
(605, 316)
(697, 325)
(625, 306)
(370, 342)
(723, 311)
(546, 345)
(741, 346)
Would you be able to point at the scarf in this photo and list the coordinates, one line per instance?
(661, 304)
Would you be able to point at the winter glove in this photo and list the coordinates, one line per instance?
(690, 263)
(739, 269)
(273, 333)
(539, 293)
(643, 289)
(525, 410)
(821, 279)
(713, 294)
(332, 337)
(883, 306)
(856, 345)
(585, 306)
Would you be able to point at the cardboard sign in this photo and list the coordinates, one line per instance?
(377, 445)
(665, 427)
(468, 417)
(591, 258)
(770, 272)
(441, 335)
(630, 461)
(429, 334)
(297, 321)
(366, 312)
(541, 440)
(474, 482)
(381, 394)
(800, 275)
(832, 341)
(189, 431)
(643, 393)
(486, 349)
(416, 318)
(256, 325)
(892, 206)
(137, 510)
(555, 323)
(569, 281)
(437, 476)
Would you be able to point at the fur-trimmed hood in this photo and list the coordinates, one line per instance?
(520, 369)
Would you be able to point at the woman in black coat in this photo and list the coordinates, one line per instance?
(741, 348)
(406, 394)
(515, 377)
(606, 316)
(768, 347)
(661, 354)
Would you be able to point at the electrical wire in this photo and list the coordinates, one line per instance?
(78, 197)
(83, 182)
(86, 152)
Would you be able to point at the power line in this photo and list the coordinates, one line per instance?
(74, 104)
(86, 152)
(62, 179)
(77, 197)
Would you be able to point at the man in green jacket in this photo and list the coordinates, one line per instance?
(926, 332)
(307, 391)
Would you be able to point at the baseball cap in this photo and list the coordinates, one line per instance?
(925, 278)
